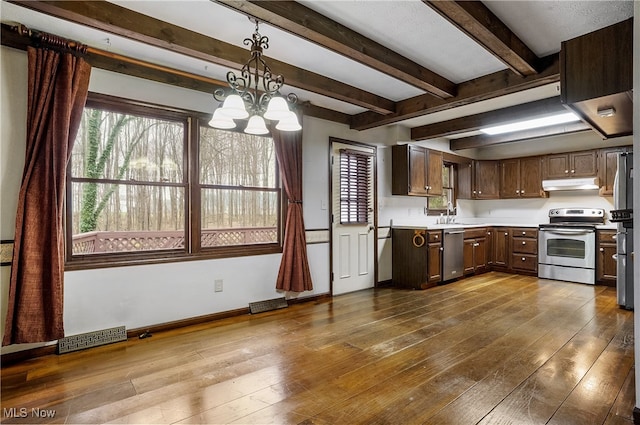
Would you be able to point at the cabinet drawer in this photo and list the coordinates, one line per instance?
(606, 236)
(434, 236)
(474, 233)
(526, 262)
(525, 246)
(524, 232)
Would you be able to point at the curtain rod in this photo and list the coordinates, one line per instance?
(62, 43)
(48, 40)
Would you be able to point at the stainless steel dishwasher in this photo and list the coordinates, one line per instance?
(452, 256)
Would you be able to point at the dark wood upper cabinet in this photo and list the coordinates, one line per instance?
(479, 180)
(521, 178)
(596, 74)
(416, 171)
(487, 179)
(572, 164)
(607, 168)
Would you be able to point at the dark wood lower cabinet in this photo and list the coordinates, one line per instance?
(524, 250)
(606, 266)
(416, 258)
(475, 251)
(500, 248)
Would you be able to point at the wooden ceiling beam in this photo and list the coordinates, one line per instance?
(478, 22)
(311, 25)
(475, 122)
(482, 88)
(483, 141)
(137, 68)
(118, 20)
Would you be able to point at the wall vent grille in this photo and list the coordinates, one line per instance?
(267, 305)
(91, 339)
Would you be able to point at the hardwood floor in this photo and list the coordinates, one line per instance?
(491, 349)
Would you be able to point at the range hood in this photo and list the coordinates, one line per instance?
(587, 183)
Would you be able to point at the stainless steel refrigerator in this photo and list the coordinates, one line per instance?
(623, 216)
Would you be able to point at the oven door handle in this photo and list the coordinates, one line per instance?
(568, 231)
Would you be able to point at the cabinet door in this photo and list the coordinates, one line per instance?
(468, 260)
(417, 170)
(607, 168)
(510, 178)
(557, 166)
(584, 164)
(501, 247)
(434, 172)
(606, 268)
(465, 181)
(487, 179)
(434, 262)
(480, 255)
(531, 177)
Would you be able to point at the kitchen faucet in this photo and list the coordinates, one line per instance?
(450, 209)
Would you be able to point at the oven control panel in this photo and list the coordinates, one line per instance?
(576, 212)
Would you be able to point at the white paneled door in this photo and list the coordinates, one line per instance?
(353, 233)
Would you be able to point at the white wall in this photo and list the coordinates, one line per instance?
(140, 296)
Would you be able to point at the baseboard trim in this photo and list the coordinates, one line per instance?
(20, 356)
(32, 353)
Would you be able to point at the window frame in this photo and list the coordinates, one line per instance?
(361, 211)
(453, 179)
(192, 250)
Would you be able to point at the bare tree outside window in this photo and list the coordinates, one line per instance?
(130, 185)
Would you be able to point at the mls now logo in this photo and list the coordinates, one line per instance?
(23, 412)
(14, 412)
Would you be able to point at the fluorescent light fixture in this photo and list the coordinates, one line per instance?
(533, 123)
(606, 112)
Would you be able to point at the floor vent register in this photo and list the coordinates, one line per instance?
(91, 339)
(267, 305)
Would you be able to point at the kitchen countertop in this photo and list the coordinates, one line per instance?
(435, 226)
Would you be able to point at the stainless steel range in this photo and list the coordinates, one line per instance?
(567, 245)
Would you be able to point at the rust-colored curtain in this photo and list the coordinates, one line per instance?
(57, 91)
(294, 272)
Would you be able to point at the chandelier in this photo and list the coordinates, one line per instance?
(255, 94)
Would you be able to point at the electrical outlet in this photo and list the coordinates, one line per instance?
(218, 285)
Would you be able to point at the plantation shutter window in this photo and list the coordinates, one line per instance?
(355, 187)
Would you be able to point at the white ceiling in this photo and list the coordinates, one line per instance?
(408, 27)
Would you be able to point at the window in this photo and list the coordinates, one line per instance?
(355, 187)
(139, 187)
(437, 204)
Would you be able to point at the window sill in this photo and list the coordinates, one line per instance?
(138, 259)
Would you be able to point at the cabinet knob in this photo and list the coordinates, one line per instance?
(474, 191)
(601, 249)
(436, 236)
(506, 233)
(524, 243)
(517, 191)
(566, 171)
(441, 248)
(524, 259)
(524, 233)
(479, 192)
(573, 171)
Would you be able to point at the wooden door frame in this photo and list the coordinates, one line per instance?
(333, 140)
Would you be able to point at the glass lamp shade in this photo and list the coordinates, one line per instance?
(277, 109)
(233, 107)
(289, 123)
(256, 125)
(220, 120)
